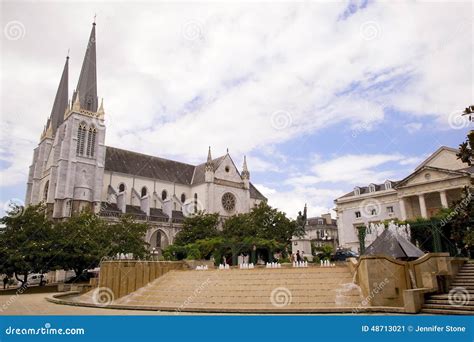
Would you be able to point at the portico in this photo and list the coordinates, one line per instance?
(428, 190)
(427, 204)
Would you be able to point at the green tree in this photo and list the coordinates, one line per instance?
(269, 223)
(26, 242)
(466, 149)
(127, 236)
(197, 227)
(239, 226)
(81, 242)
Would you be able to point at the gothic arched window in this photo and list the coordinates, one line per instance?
(183, 197)
(164, 195)
(121, 187)
(91, 142)
(195, 202)
(45, 192)
(144, 191)
(81, 138)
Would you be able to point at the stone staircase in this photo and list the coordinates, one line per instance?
(459, 300)
(313, 289)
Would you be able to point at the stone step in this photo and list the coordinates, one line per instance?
(467, 288)
(256, 289)
(439, 304)
(447, 296)
(446, 312)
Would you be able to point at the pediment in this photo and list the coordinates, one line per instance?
(443, 158)
(428, 174)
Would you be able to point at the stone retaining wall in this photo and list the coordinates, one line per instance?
(385, 281)
(125, 276)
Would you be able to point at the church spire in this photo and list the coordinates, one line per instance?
(245, 170)
(60, 101)
(209, 164)
(87, 85)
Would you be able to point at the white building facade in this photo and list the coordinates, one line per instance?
(73, 170)
(434, 184)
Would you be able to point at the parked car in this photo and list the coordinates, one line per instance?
(36, 279)
(342, 255)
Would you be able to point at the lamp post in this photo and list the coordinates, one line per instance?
(154, 253)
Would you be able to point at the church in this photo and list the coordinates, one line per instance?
(73, 170)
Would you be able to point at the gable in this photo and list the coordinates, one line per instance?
(444, 158)
(227, 170)
(429, 174)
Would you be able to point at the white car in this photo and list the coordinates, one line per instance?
(35, 279)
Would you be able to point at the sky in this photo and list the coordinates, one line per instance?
(321, 96)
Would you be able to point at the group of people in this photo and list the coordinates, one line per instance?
(297, 256)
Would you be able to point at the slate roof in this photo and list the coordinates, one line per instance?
(255, 194)
(393, 244)
(87, 84)
(133, 163)
(365, 189)
(157, 212)
(138, 164)
(61, 99)
(200, 170)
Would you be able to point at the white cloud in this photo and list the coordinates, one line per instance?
(169, 94)
(351, 169)
(413, 127)
(318, 200)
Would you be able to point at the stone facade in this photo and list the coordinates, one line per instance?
(319, 231)
(73, 170)
(433, 185)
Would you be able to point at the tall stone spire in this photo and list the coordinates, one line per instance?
(87, 85)
(245, 170)
(60, 101)
(209, 164)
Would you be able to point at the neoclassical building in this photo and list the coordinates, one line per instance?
(434, 184)
(73, 169)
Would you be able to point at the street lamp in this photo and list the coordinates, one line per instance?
(154, 253)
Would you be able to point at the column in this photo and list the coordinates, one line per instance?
(444, 198)
(403, 210)
(421, 199)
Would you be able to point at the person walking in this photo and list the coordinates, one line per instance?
(298, 257)
(5, 282)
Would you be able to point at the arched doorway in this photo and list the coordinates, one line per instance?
(158, 241)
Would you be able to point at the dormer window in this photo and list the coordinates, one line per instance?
(356, 191)
(372, 188)
(388, 185)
